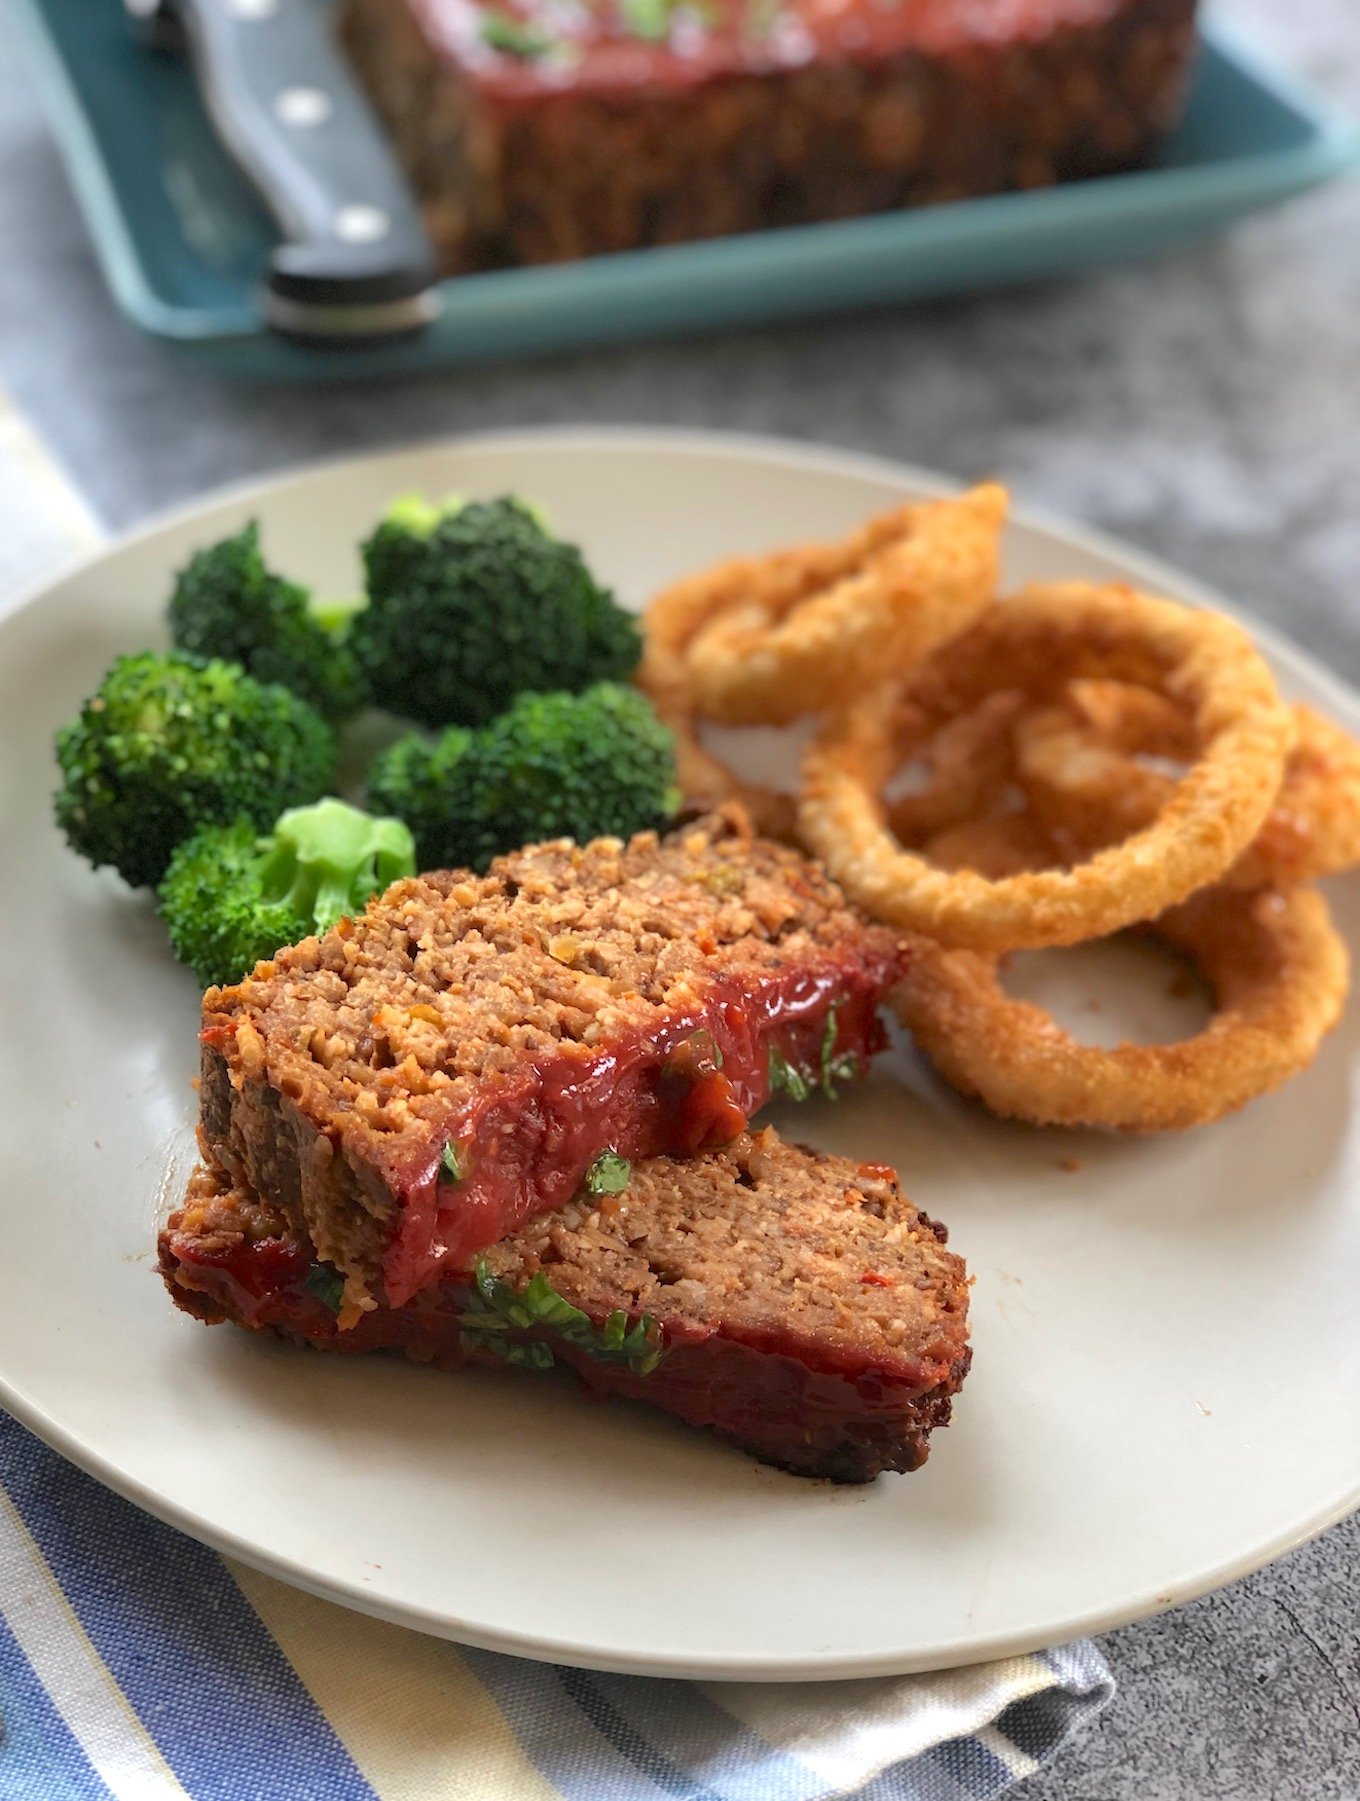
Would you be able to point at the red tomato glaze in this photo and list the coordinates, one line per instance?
(516, 51)
(799, 1405)
(526, 1143)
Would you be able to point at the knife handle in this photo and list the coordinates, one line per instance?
(355, 261)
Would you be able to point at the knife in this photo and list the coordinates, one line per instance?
(354, 262)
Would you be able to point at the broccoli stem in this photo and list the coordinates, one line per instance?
(328, 858)
(231, 897)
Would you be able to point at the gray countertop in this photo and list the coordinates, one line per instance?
(1204, 407)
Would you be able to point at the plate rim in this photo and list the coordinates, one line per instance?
(776, 451)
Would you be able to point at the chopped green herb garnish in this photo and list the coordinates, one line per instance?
(608, 1174)
(512, 36)
(495, 1310)
(327, 1284)
(833, 1068)
(451, 1163)
(520, 1353)
(650, 19)
(697, 1055)
(842, 1068)
(785, 1079)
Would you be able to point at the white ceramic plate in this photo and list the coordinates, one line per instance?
(1166, 1390)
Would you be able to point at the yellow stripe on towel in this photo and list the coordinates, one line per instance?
(414, 1718)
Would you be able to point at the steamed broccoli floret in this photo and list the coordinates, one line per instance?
(397, 554)
(412, 515)
(421, 781)
(227, 603)
(171, 743)
(336, 617)
(555, 765)
(232, 896)
(475, 605)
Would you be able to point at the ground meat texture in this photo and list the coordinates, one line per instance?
(422, 1080)
(792, 1302)
(584, 133)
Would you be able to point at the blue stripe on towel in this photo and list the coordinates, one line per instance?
(40, 1759)
(584, 1764)
(960, 1769)
(718, 1748)
(591, 1694)
(1038, 1724)
(964, 1768)
(225, 1708)
(1079, 1667)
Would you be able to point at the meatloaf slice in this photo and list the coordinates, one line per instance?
(419, 1082)
(795, 1303)
(536, 132)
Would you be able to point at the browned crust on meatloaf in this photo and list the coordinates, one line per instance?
(575, 173)
(334, 1071)
(799, 1305)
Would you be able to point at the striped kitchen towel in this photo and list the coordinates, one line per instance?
(136, 1664)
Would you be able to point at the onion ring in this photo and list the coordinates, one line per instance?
(968, 762)
(1038, 641)
(1277, 965)
(663, 675)
(770, 639)
(993, 844)
(1077, 763)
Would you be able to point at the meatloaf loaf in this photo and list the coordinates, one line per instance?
(535, 132)
(795, 1303)
(426, 1077)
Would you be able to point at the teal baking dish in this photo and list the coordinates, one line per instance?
(182, 238)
